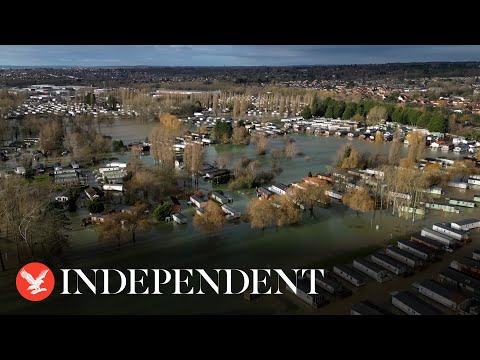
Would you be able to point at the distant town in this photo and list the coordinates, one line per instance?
(382, 160)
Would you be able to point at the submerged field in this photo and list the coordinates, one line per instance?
(331, 234)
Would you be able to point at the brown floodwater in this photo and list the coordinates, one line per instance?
(332, 231)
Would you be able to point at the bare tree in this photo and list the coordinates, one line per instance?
(416, 146)
(193, 159)
(287, 212)
(261, 213)
(51, 136)
(290, 149)
(359, 199)
(112, 229)
(311, 195)
(223, 160)
(376, 115)
(261, 142)
(395, 148)
(212, 220)
(135, 218)
(240, 136)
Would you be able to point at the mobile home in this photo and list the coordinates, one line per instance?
(389, 263)
(412, 305)
(432, 234)
(439, 293)
(365, 308)
(448, 230)
(347, 273)
(404, 256)
(466, 224)
(371, 269)
(303, 289)
(467, 265)
(460, 280)
(428, 242)
(416, 249)
(179, 218)
(461, 202)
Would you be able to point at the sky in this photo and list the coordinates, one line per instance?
(229, 55)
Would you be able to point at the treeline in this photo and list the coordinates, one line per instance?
(372, 113)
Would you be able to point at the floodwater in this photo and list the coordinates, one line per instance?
(332, 231)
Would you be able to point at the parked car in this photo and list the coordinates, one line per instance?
(448, 249)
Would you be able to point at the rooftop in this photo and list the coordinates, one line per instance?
(366, 308)
(370, 265)
(416, 304)
(447, 226)
(349, 271)
(440, 290)
(466, 221)
(384, 257)
(416, 246)
(461, 277)
(281, 186)
(469, 262)
(404, 253)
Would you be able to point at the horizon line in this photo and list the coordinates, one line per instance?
(230, 66)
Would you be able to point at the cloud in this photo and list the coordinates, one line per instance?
(230, 55)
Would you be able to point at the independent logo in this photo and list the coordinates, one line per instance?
(35, 281)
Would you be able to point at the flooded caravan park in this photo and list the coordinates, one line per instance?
(333, 231)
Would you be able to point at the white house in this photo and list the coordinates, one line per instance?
(278, 188)
(112, 187)
(62, 198)
(227, 209)
(466, 224)
(199, 201)
(92, 193)
(20, 170)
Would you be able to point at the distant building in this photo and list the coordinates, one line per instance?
(199, 201)
(365, 308)
(349, 274)
(440, 293)
(278, 188)
(466, 224)
(385, 261)
(93, 193)
(303, 289)
(176, 206)
(416, 249)
(404, 256)
(179, 218)
(263, 193)
(412, 305)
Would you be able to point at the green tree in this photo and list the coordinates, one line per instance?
(437, 123)
(329, 111)
(315, 107)
(361, 109)
(29, 173)
(90, 99)
(424, 120)
(322, 108)
(339, 109)
(162, 211)
(118, 145)
(350, 111)
(397, 115)
(96, 207)
(112, 102)
(222, 131)
(306, 112)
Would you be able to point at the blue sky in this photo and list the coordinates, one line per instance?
(229, 55)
